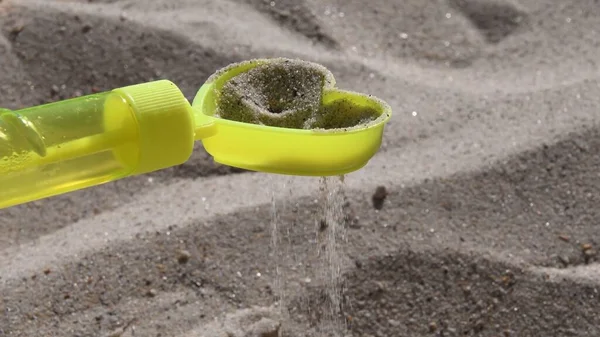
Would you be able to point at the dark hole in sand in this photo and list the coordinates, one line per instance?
(288, 93)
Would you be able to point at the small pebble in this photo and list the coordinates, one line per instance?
(151, 293)
(322, 225)
(15, 31)
(589, 255)
(183, 256)
(393, 322)
(590, 252)
(379, 197)
(564, 259)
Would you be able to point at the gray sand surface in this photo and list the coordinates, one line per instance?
(490, 163)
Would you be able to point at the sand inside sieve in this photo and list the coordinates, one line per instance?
(288, 93)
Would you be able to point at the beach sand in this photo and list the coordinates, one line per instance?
(490, 222)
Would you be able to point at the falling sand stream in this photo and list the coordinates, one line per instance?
(287, 93)
(327, 250)
(332, 224)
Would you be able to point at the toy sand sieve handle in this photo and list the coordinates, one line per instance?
(73, 144)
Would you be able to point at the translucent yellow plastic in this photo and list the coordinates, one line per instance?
(283, 150)
(73, 144)
(82, 142)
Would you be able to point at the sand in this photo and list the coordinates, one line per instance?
(284, 93)
(488, 225)
(291, 93)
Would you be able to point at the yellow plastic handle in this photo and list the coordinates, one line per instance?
(73, 144)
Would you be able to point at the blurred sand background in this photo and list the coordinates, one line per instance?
(490, 162)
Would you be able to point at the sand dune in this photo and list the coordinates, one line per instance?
(490, 160)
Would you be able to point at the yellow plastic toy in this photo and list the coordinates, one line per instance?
(86, 141)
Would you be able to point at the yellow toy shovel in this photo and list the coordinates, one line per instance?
(81, 142)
